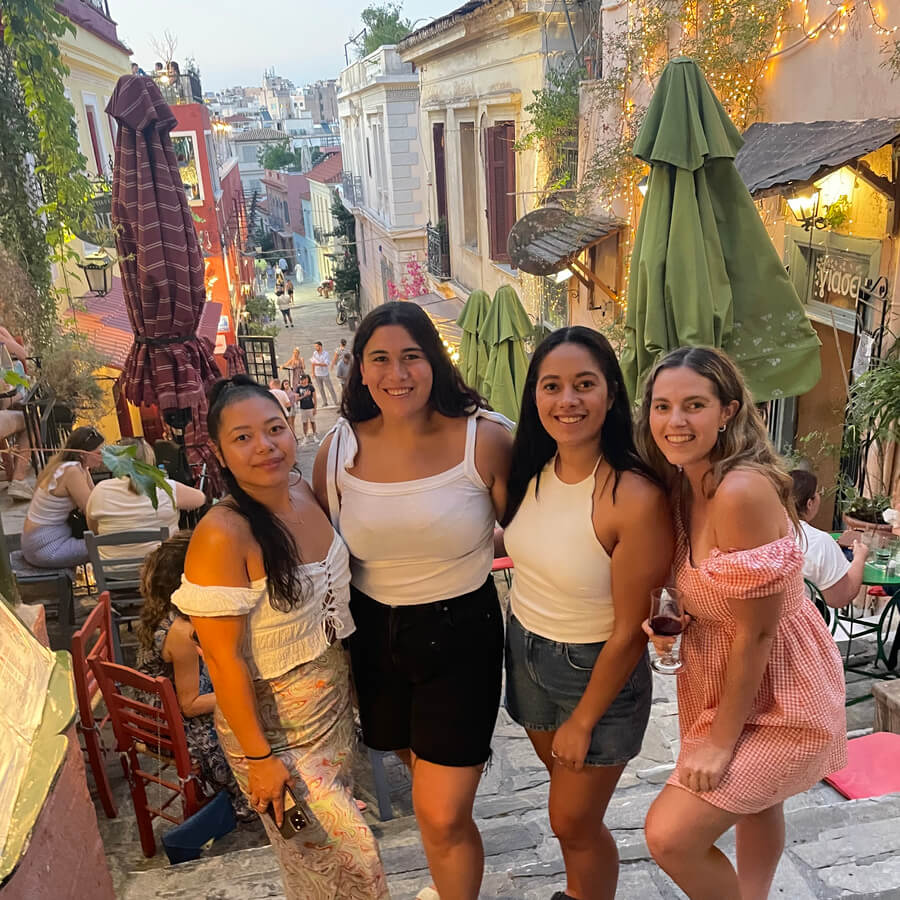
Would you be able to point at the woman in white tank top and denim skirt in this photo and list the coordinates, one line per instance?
(589, 532)
(413, 476)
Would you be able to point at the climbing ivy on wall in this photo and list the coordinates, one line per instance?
(44, 191)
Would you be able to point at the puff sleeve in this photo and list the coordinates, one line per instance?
(217, 600)
(757, 572)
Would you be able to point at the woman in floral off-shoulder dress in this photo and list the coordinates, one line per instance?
(266, 585)
(761, 694)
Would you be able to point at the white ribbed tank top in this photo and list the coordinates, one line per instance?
(562, 587)
(418, 541)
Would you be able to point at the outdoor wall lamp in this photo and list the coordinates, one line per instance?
(806, 211)
(97, 269)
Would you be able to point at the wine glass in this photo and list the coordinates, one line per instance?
(667, 620)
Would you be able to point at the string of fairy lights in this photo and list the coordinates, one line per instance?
(736, 86)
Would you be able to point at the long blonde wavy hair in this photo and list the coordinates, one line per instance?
(743, 444)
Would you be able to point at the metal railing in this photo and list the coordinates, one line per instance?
(179, 89)
(438, 249)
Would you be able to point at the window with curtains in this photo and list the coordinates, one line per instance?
(500, 183)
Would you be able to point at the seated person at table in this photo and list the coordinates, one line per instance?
(64, 484)
(116, 505)
(824, 563)
(167, 647)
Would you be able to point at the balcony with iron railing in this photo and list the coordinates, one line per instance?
(179, 89)
(438, 239)
(352, 187)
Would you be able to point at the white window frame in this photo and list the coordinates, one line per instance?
(90, 100)
(193, 139)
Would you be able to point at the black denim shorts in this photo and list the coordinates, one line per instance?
(428, 676)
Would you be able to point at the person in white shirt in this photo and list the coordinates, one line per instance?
(824, 563)
(321, 360)
(116, 505)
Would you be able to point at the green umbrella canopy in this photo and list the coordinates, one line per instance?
(704, 270)
(505, 329)
(473, 350)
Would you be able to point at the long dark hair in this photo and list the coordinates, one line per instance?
(450, 395)
(533, 447)
(281, 555)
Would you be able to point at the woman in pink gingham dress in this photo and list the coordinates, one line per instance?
(761, 694)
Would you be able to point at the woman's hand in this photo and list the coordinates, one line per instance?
(570, 744)
(268, 778)
(662, 643)
(704, 766)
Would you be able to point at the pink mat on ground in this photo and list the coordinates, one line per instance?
(872, 768)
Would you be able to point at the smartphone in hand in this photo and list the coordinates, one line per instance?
(295, 818)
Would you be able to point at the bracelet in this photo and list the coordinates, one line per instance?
(258, 758)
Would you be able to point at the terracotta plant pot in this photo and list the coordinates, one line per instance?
(854, 524)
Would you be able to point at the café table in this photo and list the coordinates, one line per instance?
(855, 626)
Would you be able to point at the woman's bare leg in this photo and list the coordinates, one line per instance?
(578, 802)
(760, 843)
(681, 830)
(443, 797)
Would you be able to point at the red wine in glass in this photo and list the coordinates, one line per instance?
(666, 620)
(665, 625)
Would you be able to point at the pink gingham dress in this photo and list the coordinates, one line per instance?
(796, 731)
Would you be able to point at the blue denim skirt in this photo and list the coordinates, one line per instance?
(546, 679)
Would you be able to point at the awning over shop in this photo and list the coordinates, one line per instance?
(551, 239)
(777, 155)
(443, 312)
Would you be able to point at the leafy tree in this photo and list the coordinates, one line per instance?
(280, 156)
(384, 25)
(346, 273)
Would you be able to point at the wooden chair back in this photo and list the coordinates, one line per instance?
(94, 640)
(154, 731)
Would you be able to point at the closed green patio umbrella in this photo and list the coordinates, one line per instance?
(505, 329)
(703, 269)
(473, 350)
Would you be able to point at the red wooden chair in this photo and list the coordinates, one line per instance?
(155, 732)
(94, 640)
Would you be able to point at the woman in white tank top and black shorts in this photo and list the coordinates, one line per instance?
(414, 477)
(590, 535)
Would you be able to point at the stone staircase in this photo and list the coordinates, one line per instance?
(835, 848)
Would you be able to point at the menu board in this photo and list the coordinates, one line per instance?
(25, 670)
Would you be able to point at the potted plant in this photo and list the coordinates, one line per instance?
(873, 420)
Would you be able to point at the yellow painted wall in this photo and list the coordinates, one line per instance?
(94, 68)
(107, 422)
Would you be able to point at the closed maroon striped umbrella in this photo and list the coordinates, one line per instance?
(160, 261)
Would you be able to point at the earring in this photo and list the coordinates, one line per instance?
(721, 428)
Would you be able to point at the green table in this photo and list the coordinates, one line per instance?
(854, 626)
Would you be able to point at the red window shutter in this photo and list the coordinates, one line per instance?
(95, 140)
(500, 177)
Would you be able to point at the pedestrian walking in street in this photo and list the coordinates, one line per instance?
(577, 672)
(284, 301)
(414, 475)
(306, 400)
(289, 288)
(270, 623)
(321, 362)
(761, 691)
(340, 362)
(296, 367)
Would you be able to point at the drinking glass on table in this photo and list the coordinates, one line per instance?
(667, 620)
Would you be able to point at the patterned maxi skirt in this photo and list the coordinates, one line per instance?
(307, 718)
